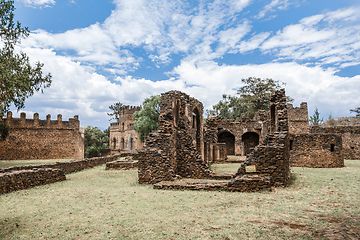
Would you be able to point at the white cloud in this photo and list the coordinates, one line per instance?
(39, 3)
(319, 38)
(272, 7)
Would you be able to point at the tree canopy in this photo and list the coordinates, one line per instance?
(253, 96)
(18, 79)
(315, 119)
(146, 120)
(95, 140)
(114, 115)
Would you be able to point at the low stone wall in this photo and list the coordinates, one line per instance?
(316, 150)
(17, 180)
(118, 165)
(21, 177)
(246, 183)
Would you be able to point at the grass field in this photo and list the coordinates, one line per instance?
(110, 204)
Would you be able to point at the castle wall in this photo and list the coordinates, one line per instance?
(42, 139)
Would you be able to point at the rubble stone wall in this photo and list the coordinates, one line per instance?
(298, 119)
(350, 138)
(271, 157)
(177, 148)
(316, 150)
(17, 180)
(42, 139)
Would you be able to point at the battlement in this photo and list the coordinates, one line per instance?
(35, 122)
(124, 110)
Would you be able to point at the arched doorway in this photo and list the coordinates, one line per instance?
(250, 140)
(229, 139)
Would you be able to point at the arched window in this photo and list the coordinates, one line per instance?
(122, 143)
(114, 143)
(131, 144)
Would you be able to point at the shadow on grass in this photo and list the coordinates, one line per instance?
(292, 181)
(8, 226)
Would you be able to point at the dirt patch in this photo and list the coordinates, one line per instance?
(348, 228)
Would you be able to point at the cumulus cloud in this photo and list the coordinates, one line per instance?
(81, 59)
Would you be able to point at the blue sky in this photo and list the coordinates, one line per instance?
(102, 52)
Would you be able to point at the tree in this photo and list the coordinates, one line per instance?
(18, 79)
(252, 97)
(230, 107)
(146, 120)
(315, 118)
(356, 111)
(116, 111)
(95, 140)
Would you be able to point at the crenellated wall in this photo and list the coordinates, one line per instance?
(42, 139)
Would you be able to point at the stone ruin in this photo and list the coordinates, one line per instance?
(177, 150)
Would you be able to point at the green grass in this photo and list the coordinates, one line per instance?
(10, 163)
(110, 204)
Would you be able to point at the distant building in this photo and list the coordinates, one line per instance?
(123, 137)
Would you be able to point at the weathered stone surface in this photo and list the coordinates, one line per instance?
(22, 179)
(316, 150)
(350, 138)
(119, 164)
(176, 149)
(42, 139)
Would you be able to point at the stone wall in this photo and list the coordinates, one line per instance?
(350, 138)
(316, 150)
(123, 137)
(42, 139)
(177, 148)
(22, 179)
(271, 158)
(298, 119)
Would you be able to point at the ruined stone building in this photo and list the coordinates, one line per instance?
(42, 139)
(178, 149)
(123, 137)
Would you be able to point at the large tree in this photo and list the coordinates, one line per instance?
(95, 140)
(253, 96)
(146, 120)
(18, 79)
(315, 119)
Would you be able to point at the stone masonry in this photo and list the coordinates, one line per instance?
(176, 149)
(42, 139)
